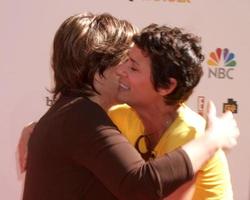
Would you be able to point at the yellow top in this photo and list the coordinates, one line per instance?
(213, 181)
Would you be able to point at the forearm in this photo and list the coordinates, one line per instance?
(200, 150)
(160, 177)
(126, 174)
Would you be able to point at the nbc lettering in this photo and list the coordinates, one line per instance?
(220, 73)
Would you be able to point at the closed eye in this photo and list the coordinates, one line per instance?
(134, 69)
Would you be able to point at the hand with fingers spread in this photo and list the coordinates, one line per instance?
(223, 129)
(221, 133)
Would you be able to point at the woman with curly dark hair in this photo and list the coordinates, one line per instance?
(162, 70)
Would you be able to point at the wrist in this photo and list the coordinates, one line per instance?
(211, 142)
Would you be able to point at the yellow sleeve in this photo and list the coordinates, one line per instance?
(213, 181)
(119, 116)
(127, 121)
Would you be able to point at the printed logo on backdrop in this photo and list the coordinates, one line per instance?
(201, 105)
(170, 1)
(221, 64)
(230, 105)
(49, 101)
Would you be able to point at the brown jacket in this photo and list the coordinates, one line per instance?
(77, 153)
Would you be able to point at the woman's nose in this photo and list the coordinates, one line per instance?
(121, 70)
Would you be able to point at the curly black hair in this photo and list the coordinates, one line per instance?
(174, 54)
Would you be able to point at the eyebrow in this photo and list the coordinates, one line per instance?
(133, 60)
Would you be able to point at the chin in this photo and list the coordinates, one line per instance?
(121, 100)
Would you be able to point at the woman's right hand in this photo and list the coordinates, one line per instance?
(223, 130)
(22, 147)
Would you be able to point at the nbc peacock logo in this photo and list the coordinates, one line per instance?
(221, 64)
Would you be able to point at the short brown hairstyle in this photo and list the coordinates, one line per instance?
(85, 44)
(174, 54)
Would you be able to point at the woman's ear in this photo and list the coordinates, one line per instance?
(168, 90)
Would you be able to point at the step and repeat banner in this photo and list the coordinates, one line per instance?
(27, 31)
